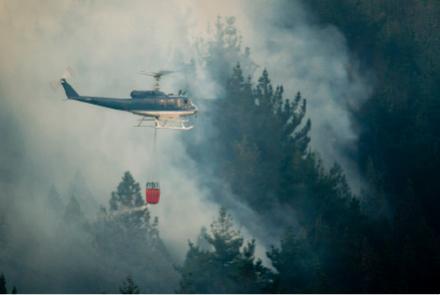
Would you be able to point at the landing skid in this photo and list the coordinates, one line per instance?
(172, 124)
(181, 124)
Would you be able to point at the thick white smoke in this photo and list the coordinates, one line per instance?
(107, 43)
(315, 60)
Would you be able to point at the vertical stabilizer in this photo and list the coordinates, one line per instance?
(70, 92)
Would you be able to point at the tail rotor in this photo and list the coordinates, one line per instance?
(67, 75)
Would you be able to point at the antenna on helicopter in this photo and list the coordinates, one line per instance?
(156, 76)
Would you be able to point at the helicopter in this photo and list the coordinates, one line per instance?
(167, 111)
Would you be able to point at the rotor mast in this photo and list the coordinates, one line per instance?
(156, 76)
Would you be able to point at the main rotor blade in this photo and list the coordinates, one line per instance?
(156, 74)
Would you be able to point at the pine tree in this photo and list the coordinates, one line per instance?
(196, 271)
(3, 289)
(283, 170)
(127, 238)
(230, 267)
(127, 195)
(296, 266)
(261, 140)
(248, 117)
(225, 239)
(129, 287)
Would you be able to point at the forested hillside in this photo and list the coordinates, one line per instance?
(287, 221)
(334, 241)
(119, 249)
(399, 124)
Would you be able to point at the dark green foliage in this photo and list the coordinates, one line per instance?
(254, 140)
(399, 134)
(229, 266)
(262, 153)
(259, 141)
(130, 236)
(262, 131)
(127, 215)
(129, 287)
(127, 195)
(3, 289)
(298, 269)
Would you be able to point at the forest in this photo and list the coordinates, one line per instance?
(252, 146)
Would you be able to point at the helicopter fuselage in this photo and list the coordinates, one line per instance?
(156, 104)
(159, 107)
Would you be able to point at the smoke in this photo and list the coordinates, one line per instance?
(82, 148)
(315, 60)
(47, 141)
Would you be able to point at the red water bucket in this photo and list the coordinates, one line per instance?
(152, 193)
